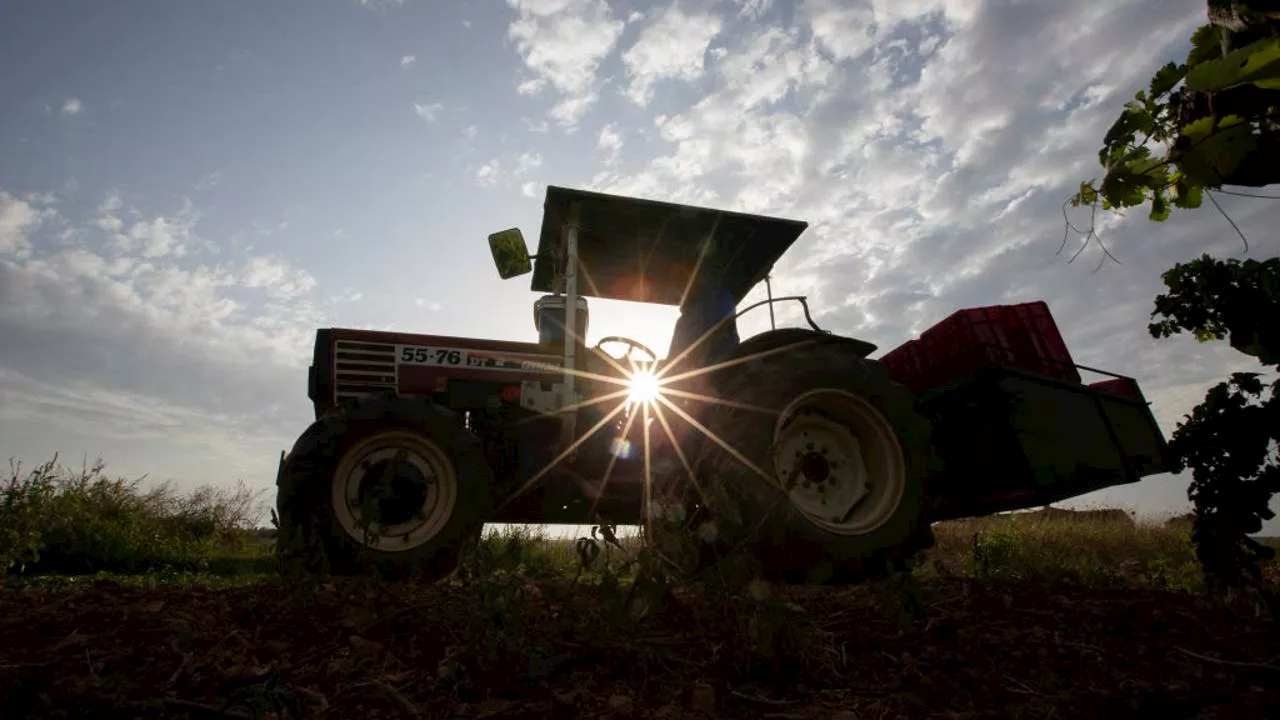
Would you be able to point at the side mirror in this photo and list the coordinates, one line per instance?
(510, 254)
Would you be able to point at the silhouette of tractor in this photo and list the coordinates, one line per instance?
(793, 445)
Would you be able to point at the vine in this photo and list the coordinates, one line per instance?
(1216, 115)
(1229, 441)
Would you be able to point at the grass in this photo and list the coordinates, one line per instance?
(1091, 552)
(60, 525)
(56, 520)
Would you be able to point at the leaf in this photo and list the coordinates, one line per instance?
(1230, 145)
(1159, 207)
(1205, 45)
(1123, 129)
(1259, 61)
(1188, 196)
(1198, 130)
(1121, 188)
(1087, 195)
(1166, 77)
(1215, 152)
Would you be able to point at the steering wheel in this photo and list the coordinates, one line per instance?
(632, 345)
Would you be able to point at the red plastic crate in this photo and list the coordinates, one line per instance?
(1126, 387)
(964, 343)
(906, 364)
(1038, 343)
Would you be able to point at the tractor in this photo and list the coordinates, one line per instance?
(793, 445)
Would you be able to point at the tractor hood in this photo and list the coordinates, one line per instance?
(647, 251)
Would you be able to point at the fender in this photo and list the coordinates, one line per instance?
(782, 337)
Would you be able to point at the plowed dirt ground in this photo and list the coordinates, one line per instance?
(354, 649)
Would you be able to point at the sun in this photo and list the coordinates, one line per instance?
(642, 387)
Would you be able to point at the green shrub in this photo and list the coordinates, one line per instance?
(57, 520)
(1100, 553)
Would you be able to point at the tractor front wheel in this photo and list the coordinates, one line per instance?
(817, 471)
(388, 484)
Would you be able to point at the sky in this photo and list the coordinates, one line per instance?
(189, 190)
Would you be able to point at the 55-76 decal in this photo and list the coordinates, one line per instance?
(418, 355)
(461, 357)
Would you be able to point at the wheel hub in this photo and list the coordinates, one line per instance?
(394, 491)
(838, 460)
(820, 464)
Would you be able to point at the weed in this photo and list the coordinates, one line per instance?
(57, 520)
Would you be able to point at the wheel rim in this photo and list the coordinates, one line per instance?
(838, 459)
(398, 485)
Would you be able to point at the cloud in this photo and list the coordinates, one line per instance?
(673, 46)
(491, 173)
(529, 189)
(470, 132)
(562, 42)
(487, 174)
(610, 141)
(72, 106)
(527, 162)
(427, 111)
(427, 304)
(753, 9)
(407, 60)
(276, 277)
(930, 145)
(17, 219)
(147, 339)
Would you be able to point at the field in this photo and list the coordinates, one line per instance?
(155, 605)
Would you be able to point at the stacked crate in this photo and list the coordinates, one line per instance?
(906, 364)
(1022, 336)
(1123, 386)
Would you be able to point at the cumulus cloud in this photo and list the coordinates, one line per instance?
(527, 162)
(562, 43)
(673, 46)
(487, 174)
(520, 167)
(132, 334)
(427, 111)
(72, 106)
(17, 219)
(407, 60)
(610, 141)
(930, 144)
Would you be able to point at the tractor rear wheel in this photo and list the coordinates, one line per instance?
(826, 479)
(386, 484)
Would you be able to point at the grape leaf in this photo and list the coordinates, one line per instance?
(1159, 207)
(1205, 45)
(1229, 145)
(1126, 126)
(1087, 195)
(1259, 61)
(1121, 188)
(1188, 196)
(1166, 77)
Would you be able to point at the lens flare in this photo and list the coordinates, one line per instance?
(642, 387)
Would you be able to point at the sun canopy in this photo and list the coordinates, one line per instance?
(646, 250)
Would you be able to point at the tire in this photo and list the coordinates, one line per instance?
(823, 393)
(440, 472)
